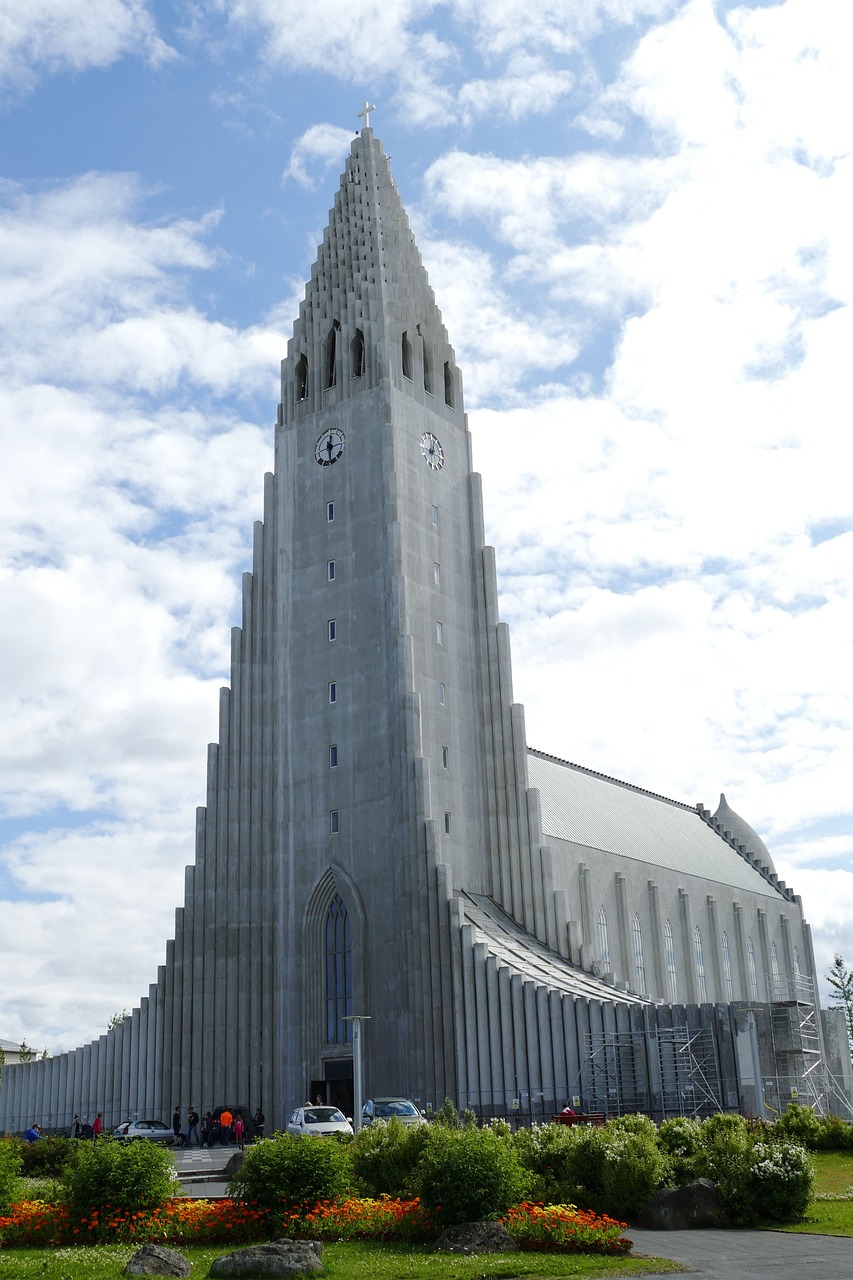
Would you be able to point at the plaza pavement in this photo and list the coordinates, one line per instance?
(714, 1255)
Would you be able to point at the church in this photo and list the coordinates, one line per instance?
(379, 842)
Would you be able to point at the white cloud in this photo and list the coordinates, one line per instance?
(44, 36)
(317, 150)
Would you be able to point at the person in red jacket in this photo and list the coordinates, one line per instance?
(98, 1125)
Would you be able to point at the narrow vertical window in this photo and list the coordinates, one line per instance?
(357, 354)
(300, 377)
(333, 755)
(333, 629)
(406, 356)
(330, 570)
(669, 952)
(639, 958)
(333, 690)
(435, 515)
(338, 973)
(427, 352)
(796, 959)
(700, 964)
(603, 940)
(441, 695)
(331, 376)
(448, 384)
(330, 512)
(727, 965)
(334, 827)
(753, 975)
(447, 824)
(444, 757)
(439, 633)
(778, 994)
(436, 574)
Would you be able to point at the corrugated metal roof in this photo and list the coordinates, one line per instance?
(521, 953)
(599, 812)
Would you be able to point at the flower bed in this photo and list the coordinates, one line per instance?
(565, 1228)
(533, 1226)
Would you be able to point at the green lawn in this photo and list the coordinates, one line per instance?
(344, 1261)
(834, 1177)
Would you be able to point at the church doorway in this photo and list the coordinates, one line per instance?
(336, 1087)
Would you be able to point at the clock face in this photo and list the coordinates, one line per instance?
(329, 447)
(432, 451)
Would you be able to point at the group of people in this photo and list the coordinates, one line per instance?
(92, 1129)
(210, 1129)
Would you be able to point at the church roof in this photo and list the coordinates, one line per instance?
(521, 953)
(597, 812)
(742, 832)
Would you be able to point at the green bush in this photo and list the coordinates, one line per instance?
(125, 1177)
(799, 1124)
(636, 1123)
(726, 1123)
(49, 1157)
(284, 1172)
(633, 1169)
(10, 1164)
(469, 1174)
(448, 1116)
(782, 1181)
(384, 1156)
(835, 1134)
(585, 1163)
(725, 1158)
(680, 1140)
(547, 1151)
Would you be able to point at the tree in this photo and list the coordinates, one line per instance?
(840, 978)
(26, 1052)
(117, 1019)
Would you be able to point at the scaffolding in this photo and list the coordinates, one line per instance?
(800, 1073)
(683, 1064)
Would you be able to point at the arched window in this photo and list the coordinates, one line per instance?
(700, 964)
(727, 965)
(603, 941)
(331, 362)
(669, 951)
(356, 352)
(406, 355)
(449, 397)
(639, 959)
(338, 973)
(301, 377)
(753, 976)
(778, 994)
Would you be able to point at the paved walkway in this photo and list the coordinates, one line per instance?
(750, 1255)
(201, 1170)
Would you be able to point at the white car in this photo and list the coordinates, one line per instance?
(319, 1122)
(153, 1130)
(391, 1109)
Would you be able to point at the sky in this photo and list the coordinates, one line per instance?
(635, 216)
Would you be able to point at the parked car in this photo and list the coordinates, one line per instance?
(391, 1109)
(154, 1130)
(319, 1122)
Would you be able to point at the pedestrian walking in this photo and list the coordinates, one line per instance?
(192, 1128)
(76, 1128)
(258, 1121)
(98, 1125)
(176, 1126)
(239, 1130)
(225, 1119)
(205, 1129)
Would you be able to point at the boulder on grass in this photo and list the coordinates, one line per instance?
(154, 1260)
(281, 1258)
(476, 1237)
(234, 1164)
(679, 1208)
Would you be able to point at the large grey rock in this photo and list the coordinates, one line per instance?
(476, 1237)
(154, 1260)
(281, 1258)
(234, 1164)
(678, 1208)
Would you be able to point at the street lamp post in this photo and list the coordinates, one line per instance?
(357, 1066)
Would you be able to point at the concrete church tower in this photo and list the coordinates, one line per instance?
(378, 838)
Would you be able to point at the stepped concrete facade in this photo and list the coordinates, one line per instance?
(378, 837)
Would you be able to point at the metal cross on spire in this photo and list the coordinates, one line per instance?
(366, 113)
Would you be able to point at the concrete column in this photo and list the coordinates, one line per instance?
(659, 985)
(496, 1057)
(714, 950)
(589, 944)
(764, 942)
(688, 957)
(627, 968)
(742, 991)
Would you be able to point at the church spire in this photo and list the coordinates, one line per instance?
(369, 312)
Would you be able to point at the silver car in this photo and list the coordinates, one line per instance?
(391, 1109)
(154, 1130)
(319, 1122)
